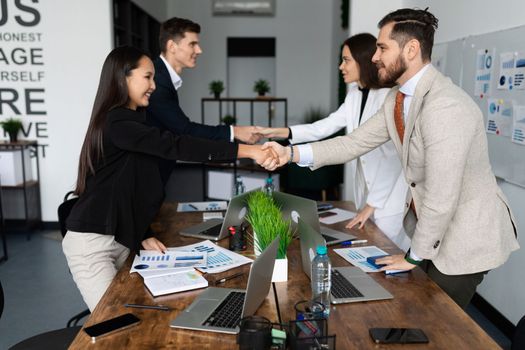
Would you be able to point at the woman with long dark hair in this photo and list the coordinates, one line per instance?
(379, 189)
(119, 184)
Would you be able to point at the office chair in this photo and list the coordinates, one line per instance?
(518, 341)
(63, 212)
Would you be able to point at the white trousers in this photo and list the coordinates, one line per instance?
(93, 260)
(392, 227)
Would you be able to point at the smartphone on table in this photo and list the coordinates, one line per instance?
(112, 325)
(326, 214)
(398, 335)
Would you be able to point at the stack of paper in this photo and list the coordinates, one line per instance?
(174, 271)
(219, 258)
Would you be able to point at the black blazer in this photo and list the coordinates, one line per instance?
(124, 195)
(165, 113)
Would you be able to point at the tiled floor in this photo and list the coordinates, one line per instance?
(40, 294)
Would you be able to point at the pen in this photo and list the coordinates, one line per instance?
(152, 307)
(192, 206)
(352, 242)
(222, 280)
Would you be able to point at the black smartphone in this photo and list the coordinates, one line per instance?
(324, 206)
(398, 335)
(109, 326)
(327, 214)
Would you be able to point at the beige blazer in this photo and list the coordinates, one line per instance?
(464, 223)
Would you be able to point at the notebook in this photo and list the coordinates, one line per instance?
(175, 282)
(221, 309)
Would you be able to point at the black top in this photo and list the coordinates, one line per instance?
(364, 97)
(124, 195)
(165, 113)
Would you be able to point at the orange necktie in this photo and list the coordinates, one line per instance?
(400, 127)
(398, 115)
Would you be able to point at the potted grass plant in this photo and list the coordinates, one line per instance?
(12, 127)
(267, 223)
(261, 87)
(216, 88)
(229, 119)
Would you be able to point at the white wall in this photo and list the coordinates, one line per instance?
(458, 19)
(75, 38)
(365, 14)
(304, 52)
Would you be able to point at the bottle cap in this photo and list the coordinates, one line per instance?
(321, 249)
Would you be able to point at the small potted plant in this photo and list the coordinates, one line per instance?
(216, 88)
(267, 223)
(229, 119)
(12, 126)
(261, 87)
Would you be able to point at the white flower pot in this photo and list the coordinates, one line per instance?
(280, 270)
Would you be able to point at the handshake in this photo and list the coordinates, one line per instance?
(270, 155)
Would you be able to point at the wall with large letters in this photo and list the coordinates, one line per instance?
(51, 53)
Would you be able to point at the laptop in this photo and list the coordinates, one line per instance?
(221, 309)
(217, 229)
(349, 284)
(294, 207)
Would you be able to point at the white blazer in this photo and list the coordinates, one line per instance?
(377, 177)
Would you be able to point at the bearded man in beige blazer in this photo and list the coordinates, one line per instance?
(458, 218)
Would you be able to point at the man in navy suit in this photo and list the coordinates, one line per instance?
(179, 44)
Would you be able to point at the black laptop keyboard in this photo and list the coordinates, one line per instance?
(342, 288)
(228, 313)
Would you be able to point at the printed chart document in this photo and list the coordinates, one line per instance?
(171, 260)
(339, 215)
(357, 257)
(175, 282)
(202, 206)
(219, 259)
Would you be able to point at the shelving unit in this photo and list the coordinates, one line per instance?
(252, 101)
(270, 101)
(29, 188)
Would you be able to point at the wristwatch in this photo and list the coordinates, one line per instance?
(412, 261)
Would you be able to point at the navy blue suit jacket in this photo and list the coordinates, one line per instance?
(164, 112)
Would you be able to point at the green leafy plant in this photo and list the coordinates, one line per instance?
(314, 114)
(216, 88)
(261, 87)
(266, 219)
(12, 126)
(229, 119)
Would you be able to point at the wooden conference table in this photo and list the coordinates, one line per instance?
(417, 303)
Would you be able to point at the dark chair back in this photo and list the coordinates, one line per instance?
(518, 341)
(63, 211)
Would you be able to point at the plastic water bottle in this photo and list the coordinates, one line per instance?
(239, 186)
(269, 187)
(321, 278)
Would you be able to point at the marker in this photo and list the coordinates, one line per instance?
(352, 242)
(152, 307)
(222, 280)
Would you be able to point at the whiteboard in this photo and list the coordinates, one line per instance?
(457, 60)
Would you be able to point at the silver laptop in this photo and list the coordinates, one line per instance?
(217, 229)
(294, 207)
(221, 309)
(349, 284)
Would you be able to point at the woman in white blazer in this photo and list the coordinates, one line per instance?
(378, 185)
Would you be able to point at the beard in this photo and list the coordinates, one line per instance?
(393, 72)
